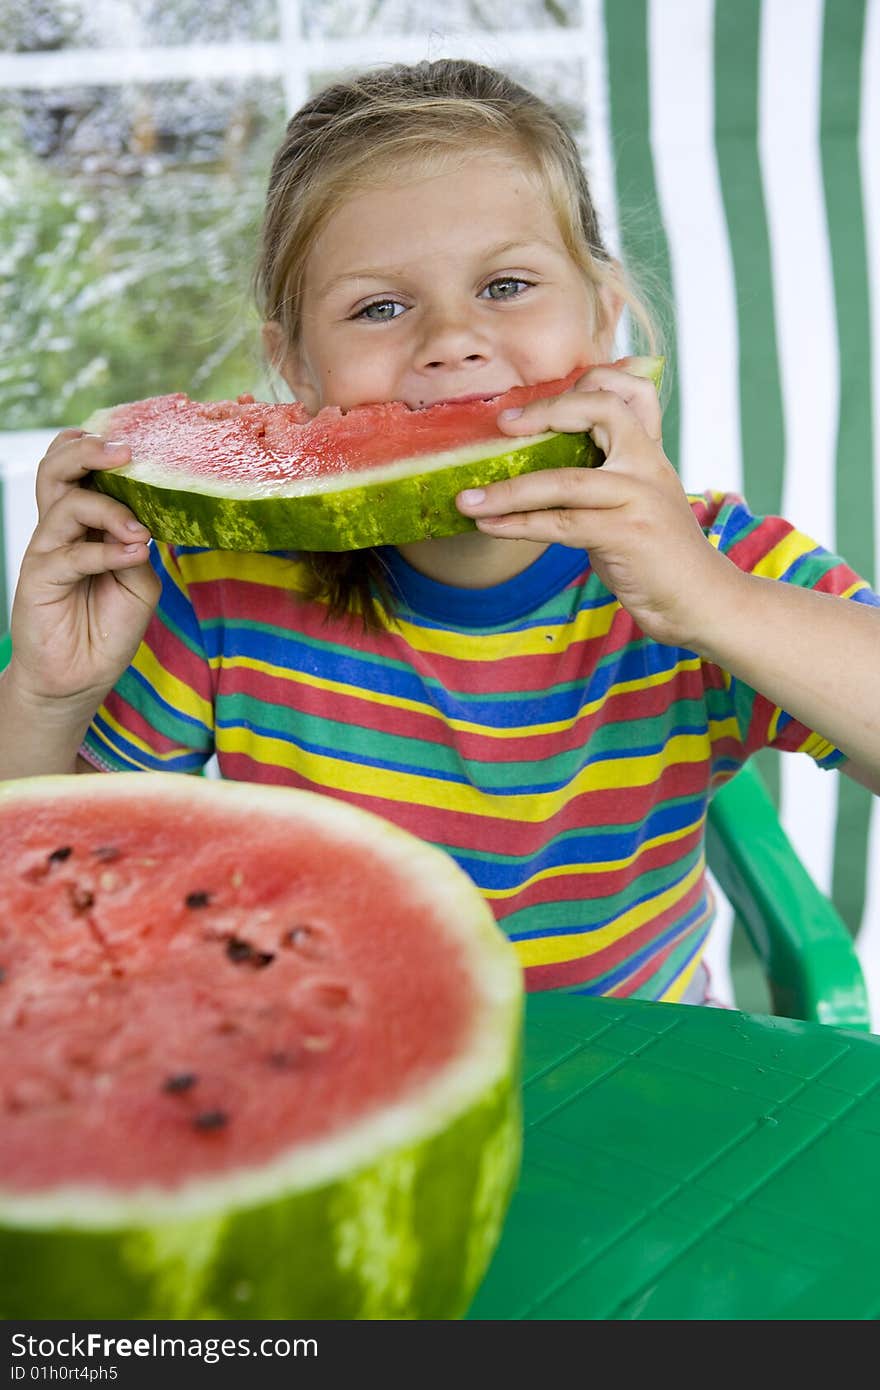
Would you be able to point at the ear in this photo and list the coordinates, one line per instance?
(611, 304)
(290, 365)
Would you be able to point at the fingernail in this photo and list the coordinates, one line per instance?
(512, 414)
(130, 549)
(136, 526)
(114, 446)
(472, 496)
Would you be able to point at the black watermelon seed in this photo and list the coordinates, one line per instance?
(198, 899)
(238, 950)
(2, 974)
(242, 953)
(59, 855)
(183, 1081)
(211, 1119)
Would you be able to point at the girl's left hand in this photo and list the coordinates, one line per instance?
(632, 514)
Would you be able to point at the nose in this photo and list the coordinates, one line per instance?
(451, 338)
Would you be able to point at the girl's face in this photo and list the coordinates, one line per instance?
(435, 287)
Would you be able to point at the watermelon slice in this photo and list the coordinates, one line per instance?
(260, 1057)
(244, 475)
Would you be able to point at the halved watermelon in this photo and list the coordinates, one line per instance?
(260, 1057)
(244, 475)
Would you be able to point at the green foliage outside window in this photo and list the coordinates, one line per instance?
(115, 286)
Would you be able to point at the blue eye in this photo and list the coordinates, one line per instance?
(507, 287)
(381, 315)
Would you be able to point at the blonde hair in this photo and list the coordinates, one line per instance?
(380, 121)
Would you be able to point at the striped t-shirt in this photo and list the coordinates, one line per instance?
(531, 729)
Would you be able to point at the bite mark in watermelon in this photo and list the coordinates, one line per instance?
(260, 1057)
(245, 475)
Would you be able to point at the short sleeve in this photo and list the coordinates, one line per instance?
(771, 547)
(160, 714)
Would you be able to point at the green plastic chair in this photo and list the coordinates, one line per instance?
(804, 948)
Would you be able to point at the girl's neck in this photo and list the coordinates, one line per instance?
(471, 560)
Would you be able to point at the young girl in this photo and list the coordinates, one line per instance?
(553, 696)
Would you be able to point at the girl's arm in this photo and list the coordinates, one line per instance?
(40, 737)
(815, 655)
(85, 595)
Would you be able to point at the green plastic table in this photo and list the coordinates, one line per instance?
(691, 1163)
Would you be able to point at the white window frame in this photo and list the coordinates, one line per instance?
(291, 59)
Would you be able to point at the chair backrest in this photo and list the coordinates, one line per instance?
(739, 179)
(803, 945)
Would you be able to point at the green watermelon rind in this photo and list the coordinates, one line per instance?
(396, 1217)
(409, 1236)
(407, 500)
(395, 511)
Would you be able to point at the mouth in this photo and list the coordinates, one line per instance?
(463, 400)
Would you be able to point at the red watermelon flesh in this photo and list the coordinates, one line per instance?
(214, 1013)
(271, 443)
(244, 475)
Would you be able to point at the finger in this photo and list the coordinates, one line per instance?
(639, 393)
(79, 511)
(552, 487)
(555, 527)
(68, 461)
(580, 528)
(83, 559)
(596, 413)
(64, 437)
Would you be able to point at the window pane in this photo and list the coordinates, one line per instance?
(346, 18)
(33, 26)
(128, 223)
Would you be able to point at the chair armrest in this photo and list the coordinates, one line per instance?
(803, 944)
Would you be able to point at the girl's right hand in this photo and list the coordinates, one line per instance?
(86, 590)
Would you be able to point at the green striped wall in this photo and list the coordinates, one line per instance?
(642, 234)
(854, 475)
(743, 109)
(735, 57)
